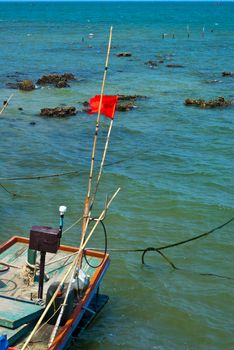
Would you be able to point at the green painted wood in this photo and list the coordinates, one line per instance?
(14, 252)
(14, 313)
(14, 335)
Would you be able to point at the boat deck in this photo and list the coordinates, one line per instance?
(19, 307)
(16, 282)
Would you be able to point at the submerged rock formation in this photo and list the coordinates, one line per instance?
(228, 74)
(126, 102)
(151, 64)
(26, 85)
(12, 85)
(217, 102)
(171, 65)
(124, 54)
(130, 97)
(58, 112)
(125, 106)
(58, 80)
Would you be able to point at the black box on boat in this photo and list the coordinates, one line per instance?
(44, 238)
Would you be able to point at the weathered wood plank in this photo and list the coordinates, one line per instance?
(15, 313)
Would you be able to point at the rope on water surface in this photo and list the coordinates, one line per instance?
(184, 241)
(39, 177)
(5, 189)
(159, 249)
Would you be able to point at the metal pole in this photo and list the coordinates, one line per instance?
(41, 276)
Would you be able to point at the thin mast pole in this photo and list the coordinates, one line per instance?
(86, 207)
(102, 164)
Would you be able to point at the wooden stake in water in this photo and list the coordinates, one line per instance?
(6, 103)
(188, 31)
(203, 32)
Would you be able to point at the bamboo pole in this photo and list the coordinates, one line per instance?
(102, 164)
(5, 104)
(70, 269)
(86, 207)
(87, 213)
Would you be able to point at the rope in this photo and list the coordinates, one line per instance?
(9, 265)
(105, 249)
(37, 177)
(5, 189)
(196, 237)
(159, 249)
(5, 268)
(76, 222)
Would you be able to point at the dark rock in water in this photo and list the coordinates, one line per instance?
(228, 74)
(58, 112)
(125, 106)
(26, 85)
(130, 97)
(218, 102)
(124, 54)
(62, 84)
(69, 76)
(13, 85)
(151, 64)
(58, 80)
(20, 109)
(126, 102)
(171, 65)
(214, 81)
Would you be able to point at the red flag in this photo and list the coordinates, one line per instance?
(108, 105)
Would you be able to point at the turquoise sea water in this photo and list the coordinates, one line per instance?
(174, 164)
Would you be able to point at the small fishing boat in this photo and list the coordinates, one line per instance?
(49, 292)
(21, 305)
